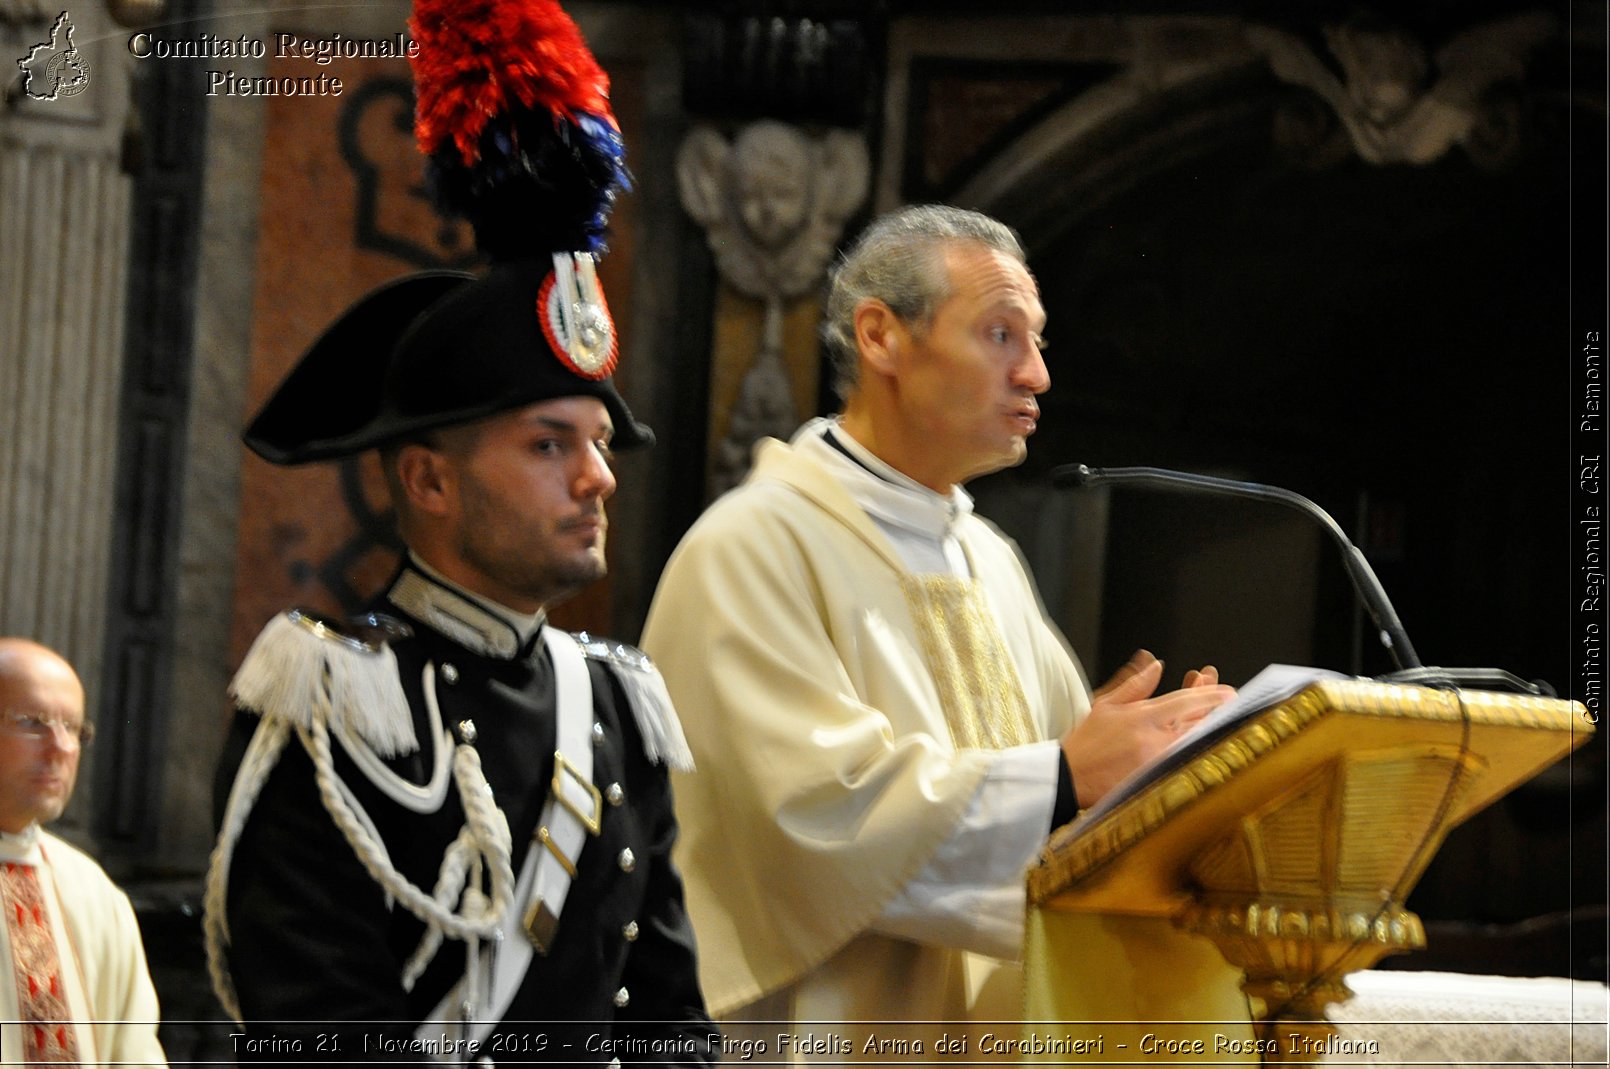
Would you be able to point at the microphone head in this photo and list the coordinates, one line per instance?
(1075, 475)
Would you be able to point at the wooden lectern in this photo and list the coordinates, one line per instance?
(1212, 915)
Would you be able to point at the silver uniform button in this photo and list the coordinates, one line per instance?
(449, 673)
(467, 733)
(615, 794)
(628, 860)
(598, 732)
(622, 997)
(630, 931)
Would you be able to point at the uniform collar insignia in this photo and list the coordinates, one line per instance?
(480, 626)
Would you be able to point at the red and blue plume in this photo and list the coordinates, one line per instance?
(513, 113)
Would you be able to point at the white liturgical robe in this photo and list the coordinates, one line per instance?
(847, 854)
(106, 984)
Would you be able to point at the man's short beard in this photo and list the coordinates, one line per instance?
(548, 585)
(564, 583)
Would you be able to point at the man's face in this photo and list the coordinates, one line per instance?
(41, 716)
(527, 512)
(967, 385)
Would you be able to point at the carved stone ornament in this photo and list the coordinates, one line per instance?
(1390, 107)
(773, 203)
(764, 409)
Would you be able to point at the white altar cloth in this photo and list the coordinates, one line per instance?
(1453, 1019)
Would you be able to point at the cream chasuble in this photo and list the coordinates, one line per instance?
(105, 986)
(841, 708)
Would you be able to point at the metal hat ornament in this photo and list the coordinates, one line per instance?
(513, 116)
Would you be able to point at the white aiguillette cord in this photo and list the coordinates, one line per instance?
(572, 812)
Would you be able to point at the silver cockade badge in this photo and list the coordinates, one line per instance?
(576, 318)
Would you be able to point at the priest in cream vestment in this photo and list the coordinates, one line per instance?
(104, 982)
(886, 725)
(74, 986)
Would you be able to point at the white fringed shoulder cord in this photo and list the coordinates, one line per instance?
(302, 675)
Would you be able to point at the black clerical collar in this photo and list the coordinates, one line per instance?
(831, 435)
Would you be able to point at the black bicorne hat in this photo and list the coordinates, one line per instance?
(421, 352)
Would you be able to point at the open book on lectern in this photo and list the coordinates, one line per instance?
(1268, 688)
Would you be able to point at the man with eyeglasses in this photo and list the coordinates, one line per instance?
(76, 988)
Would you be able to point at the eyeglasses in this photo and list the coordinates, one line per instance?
(37, 727)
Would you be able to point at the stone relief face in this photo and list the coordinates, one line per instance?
(771, 183)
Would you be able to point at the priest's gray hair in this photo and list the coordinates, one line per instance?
(898, 260)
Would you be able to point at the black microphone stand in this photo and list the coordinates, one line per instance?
(1365, 583)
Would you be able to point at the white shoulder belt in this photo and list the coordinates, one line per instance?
(572, 813)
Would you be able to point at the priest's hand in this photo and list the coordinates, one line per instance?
(1127, 725)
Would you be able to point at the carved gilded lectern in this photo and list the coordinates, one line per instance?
(1212, 915)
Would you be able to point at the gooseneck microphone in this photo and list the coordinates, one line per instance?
(1365, 584)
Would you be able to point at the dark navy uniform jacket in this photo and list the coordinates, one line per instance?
(317, 952)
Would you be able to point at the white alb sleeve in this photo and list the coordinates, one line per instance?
(970, 893)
